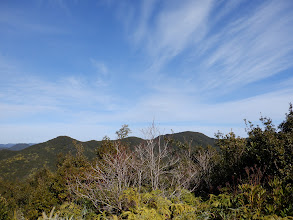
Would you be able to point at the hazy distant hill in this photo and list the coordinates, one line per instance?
(22, 163)
(15, 147)
(19, 147)
(5, 146)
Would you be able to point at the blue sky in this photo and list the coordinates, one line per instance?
(84, 68)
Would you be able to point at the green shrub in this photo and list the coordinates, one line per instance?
(4, 210)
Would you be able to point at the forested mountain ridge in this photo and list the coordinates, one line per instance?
(20, 164)
(196, 138)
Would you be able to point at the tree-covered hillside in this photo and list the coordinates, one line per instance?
(21, 164)
(161, 178)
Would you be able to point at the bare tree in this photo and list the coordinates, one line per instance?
(152, 164)
(206, 161)
(187, 174)
(155, 159)
(104, 183)
(193, 167)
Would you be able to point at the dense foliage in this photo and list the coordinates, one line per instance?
(243, 178)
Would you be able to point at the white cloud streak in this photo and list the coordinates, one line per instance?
(255, 46)
(251, 45)
(66, 96)
(175, 27)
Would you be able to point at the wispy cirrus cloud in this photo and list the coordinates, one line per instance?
(222, 47)
(140, 33)
(65, 96)
(229, 49)
(171, 30)
(255, 46)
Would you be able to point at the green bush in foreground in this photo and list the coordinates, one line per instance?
(250, 201)
(4, 210)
